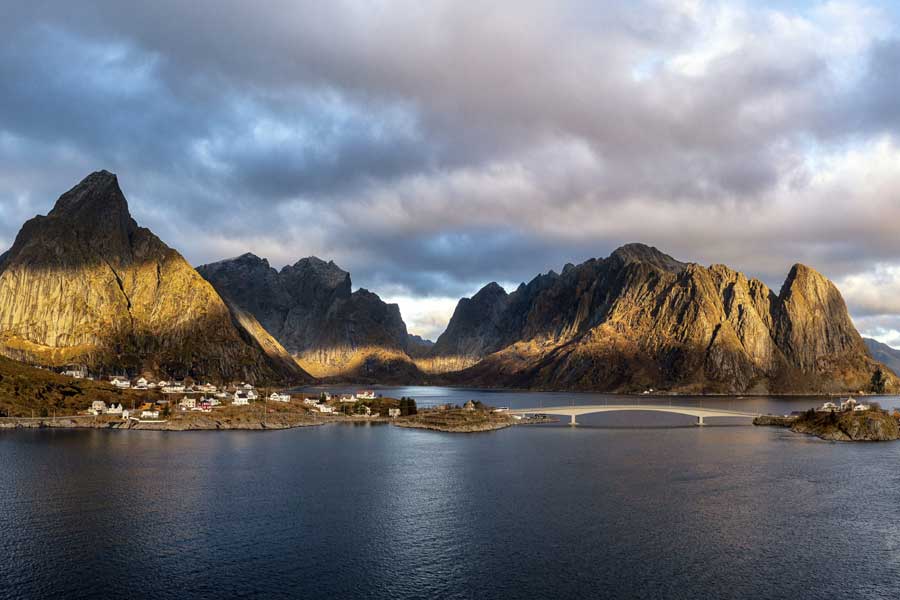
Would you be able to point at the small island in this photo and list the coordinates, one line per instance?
(849, 421)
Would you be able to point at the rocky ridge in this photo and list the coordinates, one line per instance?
(641, 319)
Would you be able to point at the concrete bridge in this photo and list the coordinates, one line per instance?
(575, 410)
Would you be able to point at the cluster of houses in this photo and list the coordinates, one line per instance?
(146, 411)
(210, 397)
(321, 403)
(99, 407)
(846, 405)
(166, 387)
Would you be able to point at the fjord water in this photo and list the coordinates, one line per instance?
(628, 506)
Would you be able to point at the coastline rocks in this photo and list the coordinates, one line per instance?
(869, 426)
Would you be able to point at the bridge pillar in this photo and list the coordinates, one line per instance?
(700, 421)
(573, 423)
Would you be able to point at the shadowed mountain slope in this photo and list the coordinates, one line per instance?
(310, 308)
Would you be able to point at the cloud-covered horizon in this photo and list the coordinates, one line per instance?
(429, 148)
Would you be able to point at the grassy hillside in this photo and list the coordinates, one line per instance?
(24, 389)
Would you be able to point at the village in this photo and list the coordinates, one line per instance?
(176, 397)
(144, 402)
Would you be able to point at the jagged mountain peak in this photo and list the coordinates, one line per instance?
(802, 277)
(97, 194)
(317, 263)
(490, 290)
(250, 257)
(636, 252)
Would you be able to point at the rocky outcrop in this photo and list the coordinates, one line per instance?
(310, 308)
(867, 426)
(86, 285)
(640, 319)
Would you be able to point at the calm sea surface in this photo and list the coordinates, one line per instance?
(629, 505)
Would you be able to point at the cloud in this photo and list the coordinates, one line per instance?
(431, 148)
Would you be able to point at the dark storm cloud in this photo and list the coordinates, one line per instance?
(433, 147)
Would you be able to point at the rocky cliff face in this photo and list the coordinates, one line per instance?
(640, 319)
(86, 285)
(310, 308)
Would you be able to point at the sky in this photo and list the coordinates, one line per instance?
(432, 147)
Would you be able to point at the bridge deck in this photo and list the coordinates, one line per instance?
(575, 410)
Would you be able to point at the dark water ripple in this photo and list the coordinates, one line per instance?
(378, 512)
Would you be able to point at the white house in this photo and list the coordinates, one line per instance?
(141, 384)
(276, 397)
(365, 395)
(828, 407)
(324, 408)
(75, 374)
(848, 404)
(120, 382)
(98, 407)
(861, 408)
(115, 409)
(150, 414)
(240, 398)
(173, 388)
(310, 401)
(348, 398)
(126, 414)
(252, 395)
(393, 413)
(188, 403)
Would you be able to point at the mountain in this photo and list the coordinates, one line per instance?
(884, 354)
(86, 285)
(641, 319)
(310, 308)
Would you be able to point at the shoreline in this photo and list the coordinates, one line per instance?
(474, 424)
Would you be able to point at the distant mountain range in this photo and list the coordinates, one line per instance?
(86, 285)
(884, 354)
